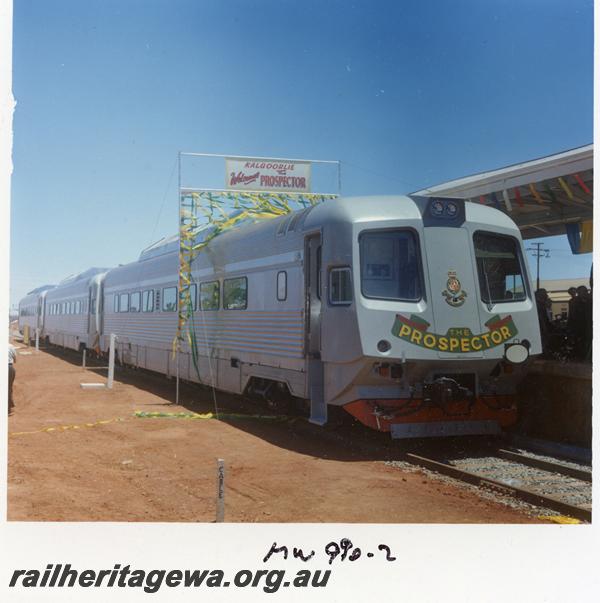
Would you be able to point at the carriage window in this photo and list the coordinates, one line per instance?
(235, 293)
(340, 286)
(390, 265)
(93, 306)
(124, 302)
(209, 296)
(116, 300)
(499, 268)
(282, 285)
(169, 301)
(148, 300)
(134, 302)
(77, 307)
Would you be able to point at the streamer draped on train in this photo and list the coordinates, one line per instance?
(208, 210)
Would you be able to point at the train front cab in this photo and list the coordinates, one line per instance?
(447, 320)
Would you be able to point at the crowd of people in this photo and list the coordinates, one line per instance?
(567, 337)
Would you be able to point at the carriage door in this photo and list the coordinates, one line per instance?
(40, 314)
(312, 304)
(94, 303)
(91, 326)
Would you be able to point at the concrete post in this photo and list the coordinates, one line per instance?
(220, 490)
(111, 361)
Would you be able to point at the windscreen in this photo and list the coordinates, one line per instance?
(390, 265)
(499, 268)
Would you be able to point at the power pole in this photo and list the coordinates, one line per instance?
(538, 252)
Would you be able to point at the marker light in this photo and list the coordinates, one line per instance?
(516, 353)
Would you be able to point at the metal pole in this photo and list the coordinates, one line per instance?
(179, 287)
(83, 363)
(37, 339)
(111, 361)
(220, 490)
(177, 375)
(538, 265)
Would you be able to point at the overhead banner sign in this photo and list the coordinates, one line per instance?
(267, 175)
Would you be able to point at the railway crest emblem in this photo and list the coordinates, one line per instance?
(454, 294)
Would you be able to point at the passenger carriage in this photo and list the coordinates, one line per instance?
(72, 311)
(32, 312)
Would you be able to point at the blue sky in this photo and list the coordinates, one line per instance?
(405, 94)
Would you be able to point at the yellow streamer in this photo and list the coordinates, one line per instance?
(559, 519)
(256, 206)
(65, 427)
(141, 414)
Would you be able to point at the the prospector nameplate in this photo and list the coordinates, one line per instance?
(267, 175)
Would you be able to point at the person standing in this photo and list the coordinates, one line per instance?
(541, 300)
(572, 302)
(12, 358)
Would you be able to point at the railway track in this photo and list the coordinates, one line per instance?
(560, 487)
(545, 482)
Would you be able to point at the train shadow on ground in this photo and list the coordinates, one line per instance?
(342, 439)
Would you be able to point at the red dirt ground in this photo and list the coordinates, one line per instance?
(141, 469)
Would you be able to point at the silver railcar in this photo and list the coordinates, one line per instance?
(414, 314)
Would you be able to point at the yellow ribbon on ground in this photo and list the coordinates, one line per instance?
(559, 519)
(65, 427)
(141, 414)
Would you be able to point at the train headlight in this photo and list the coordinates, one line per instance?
(516, 353)
(437, 209)
(451, 209)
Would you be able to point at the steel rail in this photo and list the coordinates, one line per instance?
(517, 457)
(520, 493)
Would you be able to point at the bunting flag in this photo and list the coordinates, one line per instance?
(582, 184)
(220, 211)
(506, 200)
(518, 196)
(495, 201)
(566, 188)
(535, 194)
(573, 236)
(586, 244)
(580, 236)
(482, 199)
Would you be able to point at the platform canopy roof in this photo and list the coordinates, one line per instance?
(542, 196)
